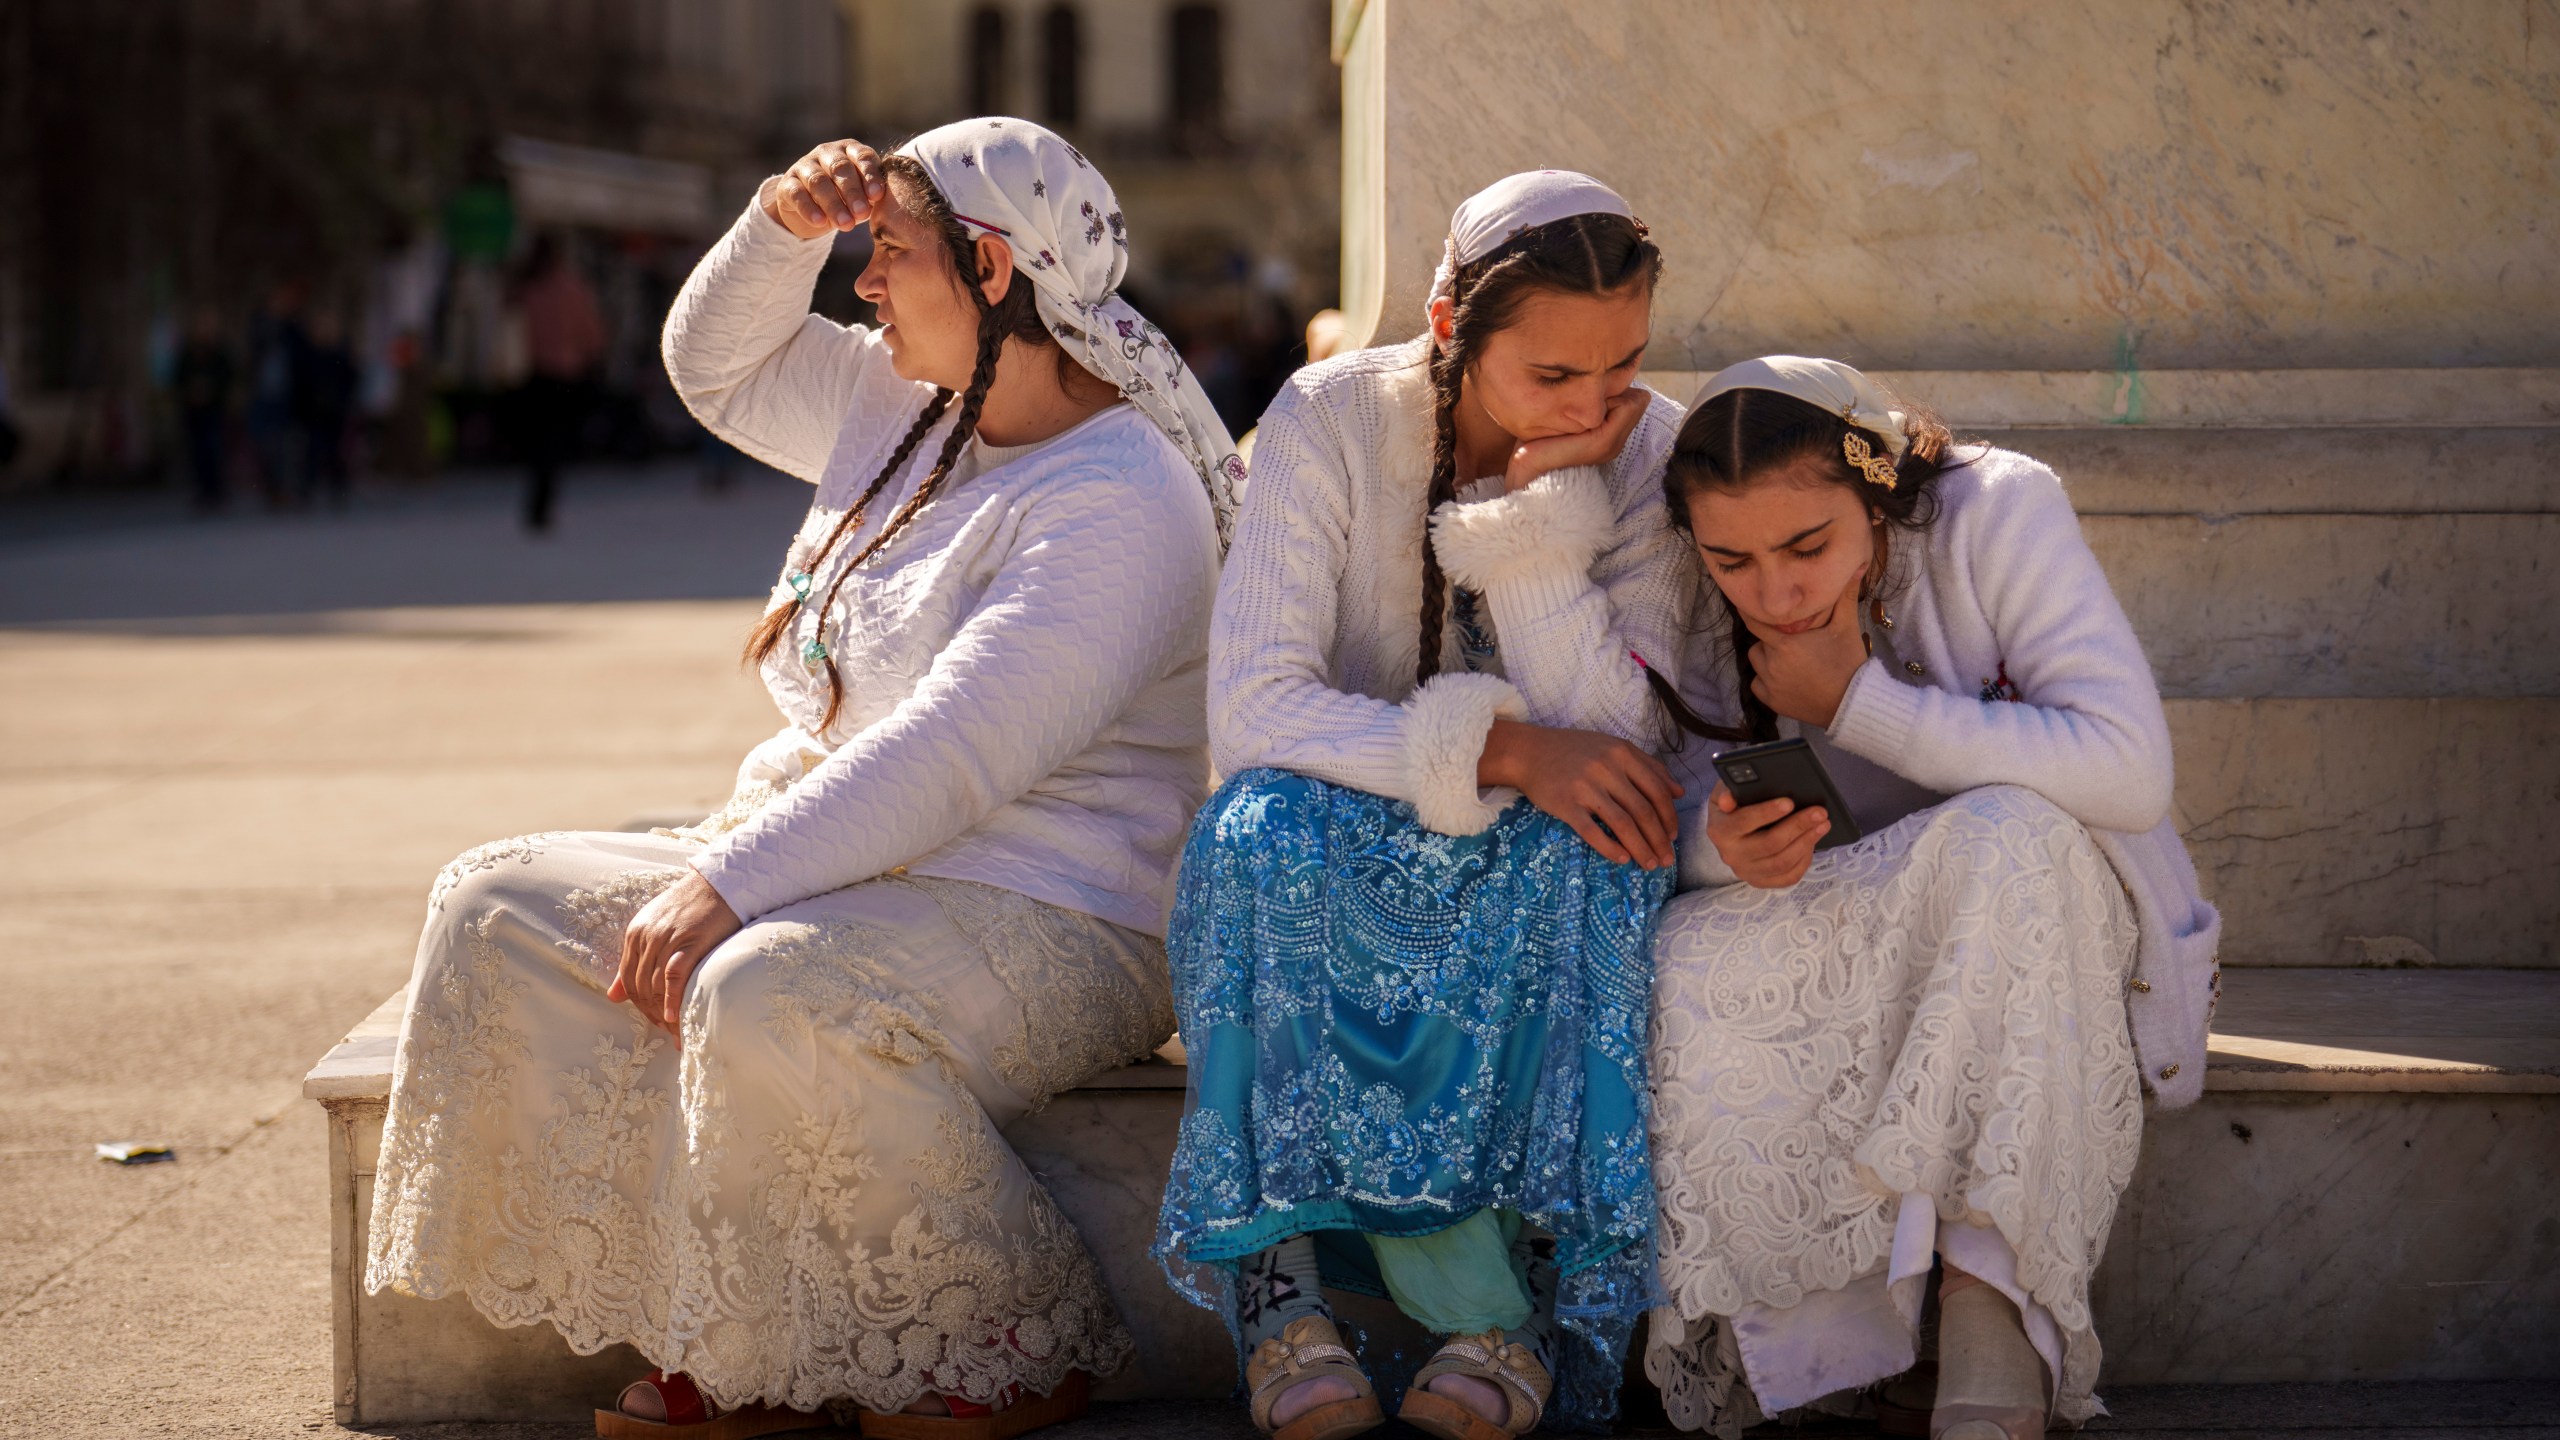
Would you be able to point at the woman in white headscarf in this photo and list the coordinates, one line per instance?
(731, 1094)
(1924, 1046)
(1414, 1000)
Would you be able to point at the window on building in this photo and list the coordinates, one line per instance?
(1061, 65)
(986, 61)
(1199, 81)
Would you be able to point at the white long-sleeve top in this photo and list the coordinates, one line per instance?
(1022, 665)
(2009, 662)
(1314, 646)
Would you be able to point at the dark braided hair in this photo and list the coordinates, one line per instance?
(1578, 255)
(1015, 317)
(1740, 436)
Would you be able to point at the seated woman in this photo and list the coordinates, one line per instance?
(1415, 1010)
(1914, 1048)
(731, 1094)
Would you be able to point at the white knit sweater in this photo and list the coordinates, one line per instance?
(1021, 665)
(2003, 585)
(1313, 649)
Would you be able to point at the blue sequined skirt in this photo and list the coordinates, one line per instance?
(1390, 1029)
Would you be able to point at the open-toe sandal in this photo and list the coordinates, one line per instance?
(1012, 1414)
(691, 1414)
(1510, 1368)
(1310, 1348)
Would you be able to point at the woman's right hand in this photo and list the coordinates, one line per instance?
(1768, 845)
(1615, 796)
(831, 188)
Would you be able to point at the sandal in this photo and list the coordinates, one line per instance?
(691, 1414)
(1310, 1348)
(1508, 1365)
(1013, 1413)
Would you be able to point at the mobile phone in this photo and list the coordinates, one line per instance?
(1787, 770)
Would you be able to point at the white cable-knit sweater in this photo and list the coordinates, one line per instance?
(1313, 650)
(2001, 587)
(1022, 665)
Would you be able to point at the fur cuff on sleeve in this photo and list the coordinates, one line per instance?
(1556, 524)
(1444, 728)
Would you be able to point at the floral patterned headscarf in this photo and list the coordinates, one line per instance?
(1021, 181)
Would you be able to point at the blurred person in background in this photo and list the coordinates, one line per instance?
(201, 383)
(9, 437)
(324, 400)
(1325, 330)
(276, 345)
(408, 429)
(564, 343)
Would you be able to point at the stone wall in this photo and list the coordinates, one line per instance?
(1997, 184)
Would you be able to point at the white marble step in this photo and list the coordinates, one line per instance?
(2405, 470)
(2370, 1167)
(2375, 832)
(2339, 605)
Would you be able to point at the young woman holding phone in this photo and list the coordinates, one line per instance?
(1928, 1048)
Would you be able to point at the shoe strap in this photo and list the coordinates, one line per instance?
(1308, 1347)
(1508, 1364)
(682, 1403)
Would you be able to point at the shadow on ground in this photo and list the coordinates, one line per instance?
(651, 533)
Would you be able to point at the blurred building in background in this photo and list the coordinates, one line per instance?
(214, 212)
(1218, 121)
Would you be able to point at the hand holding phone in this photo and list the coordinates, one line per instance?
(1775, 807)
(1769, 845)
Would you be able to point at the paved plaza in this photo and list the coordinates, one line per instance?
(233, 754)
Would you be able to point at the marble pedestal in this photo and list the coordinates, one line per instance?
(2366, 1192)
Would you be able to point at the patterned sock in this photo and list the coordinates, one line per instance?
(1534, 1256)
(1276, 1286)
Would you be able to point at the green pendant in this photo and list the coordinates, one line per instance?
(798, 580)
(812, 651)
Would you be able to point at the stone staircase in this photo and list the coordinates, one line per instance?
(2359, 634)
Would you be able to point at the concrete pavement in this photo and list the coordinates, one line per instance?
(232, 756)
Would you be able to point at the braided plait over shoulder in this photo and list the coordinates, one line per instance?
(1012, 318)
(1578, 255)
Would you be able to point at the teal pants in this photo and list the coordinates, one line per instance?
(1464, 1280)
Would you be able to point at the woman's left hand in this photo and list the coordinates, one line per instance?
(1599, 445)
(1804, 676)
(666, 942)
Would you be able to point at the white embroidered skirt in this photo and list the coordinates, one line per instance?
(808, 1200)
(1920, 1047)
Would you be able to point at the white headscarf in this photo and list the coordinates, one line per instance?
(1491, 217)
(1841, 389)
(1021, 181)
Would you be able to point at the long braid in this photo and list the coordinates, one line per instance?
(1578, 255)
(777, 622)
(1448, 377)
(972, 401)
(1016, 317)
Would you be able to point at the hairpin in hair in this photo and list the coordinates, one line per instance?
(1876, 468)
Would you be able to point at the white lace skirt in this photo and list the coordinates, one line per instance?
(808, 1200)
(1920, 1046)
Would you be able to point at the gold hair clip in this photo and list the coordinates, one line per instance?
(1878, 470)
